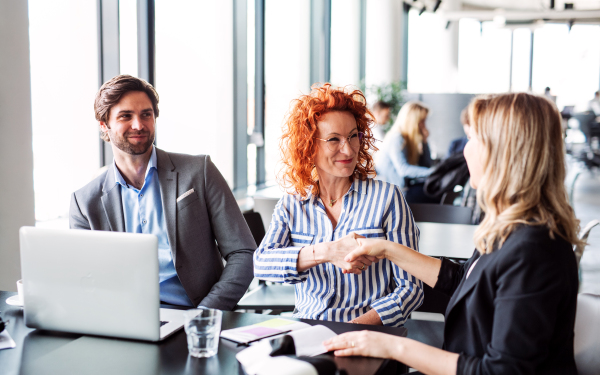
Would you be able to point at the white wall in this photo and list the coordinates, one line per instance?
(16, 156)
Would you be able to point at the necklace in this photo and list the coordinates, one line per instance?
(332, 201)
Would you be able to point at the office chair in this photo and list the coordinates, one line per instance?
(585, 232)
(255, 223)
(587, 334)
(436, 213)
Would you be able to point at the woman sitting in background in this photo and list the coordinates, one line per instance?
(326, 148)
(404, 154)
(513, 303)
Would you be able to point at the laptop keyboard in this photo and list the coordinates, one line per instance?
(163, 323)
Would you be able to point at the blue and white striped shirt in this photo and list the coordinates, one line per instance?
(371, 208)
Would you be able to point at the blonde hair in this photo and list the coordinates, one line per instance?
(523, 168)
(407, 123)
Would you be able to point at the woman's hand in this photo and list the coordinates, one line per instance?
(364, 343)
(336, 251)
(368, 247)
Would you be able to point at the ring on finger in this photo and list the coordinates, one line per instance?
(352, 343)
(363, 267)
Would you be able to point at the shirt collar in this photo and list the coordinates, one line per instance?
(357, 186)
(151, 164)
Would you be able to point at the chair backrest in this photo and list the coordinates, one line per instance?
(585, 120)
(436, 213)
(573, 173)
(265, 207)
(587, 334)
(585, 232)
(450, 196)
(256, 226)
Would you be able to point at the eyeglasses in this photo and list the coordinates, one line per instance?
(336, 143)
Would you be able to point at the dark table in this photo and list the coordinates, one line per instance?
(44, 352)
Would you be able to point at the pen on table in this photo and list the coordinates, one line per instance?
(264, 337)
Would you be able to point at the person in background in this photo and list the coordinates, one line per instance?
(512, 309)
(458, 144)
(326, 147)
(594, 104)
(381, 112)
(404, 158)
(181, 199)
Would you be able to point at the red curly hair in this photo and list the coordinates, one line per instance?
(298, 143)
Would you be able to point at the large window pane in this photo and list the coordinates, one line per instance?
(521, 59)
(128, 37)
(194, 78)
(483, 57)
(64, 81)
(567, 62)
(345, 42)
(432, 60)
(287, 61)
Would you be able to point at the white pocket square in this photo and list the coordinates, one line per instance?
(185, 194)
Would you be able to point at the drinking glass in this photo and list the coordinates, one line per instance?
(202, 327)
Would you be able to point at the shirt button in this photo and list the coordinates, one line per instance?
(143, 221)
(141, 195)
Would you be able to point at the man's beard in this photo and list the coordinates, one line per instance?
(124, 145)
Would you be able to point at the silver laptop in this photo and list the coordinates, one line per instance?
(94, 282)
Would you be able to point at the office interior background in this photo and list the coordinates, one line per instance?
(226, 72)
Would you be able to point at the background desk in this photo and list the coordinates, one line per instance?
(40, 352)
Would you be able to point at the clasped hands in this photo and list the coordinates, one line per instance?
(355, 253)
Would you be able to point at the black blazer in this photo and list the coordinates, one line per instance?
(515, 313)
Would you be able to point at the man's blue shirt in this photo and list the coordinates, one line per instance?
(143, 212)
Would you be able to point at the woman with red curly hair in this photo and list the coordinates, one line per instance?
(326, 146)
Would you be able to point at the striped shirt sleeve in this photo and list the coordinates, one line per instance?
(394, 308)
(276, 259)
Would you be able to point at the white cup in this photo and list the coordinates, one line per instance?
(20, 290)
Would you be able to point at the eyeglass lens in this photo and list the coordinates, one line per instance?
(336, 143)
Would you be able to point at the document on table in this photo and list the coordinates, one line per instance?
(307, 342)
(6, 342)
(269, 328)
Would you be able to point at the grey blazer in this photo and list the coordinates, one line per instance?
(203, 227)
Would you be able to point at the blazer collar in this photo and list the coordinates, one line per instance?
(111, 201)
(167, 178)
(467, 284)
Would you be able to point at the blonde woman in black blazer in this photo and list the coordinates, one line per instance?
(512, 309)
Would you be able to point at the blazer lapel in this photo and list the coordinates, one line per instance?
(111, 200)
(470, 282)
(167, 178)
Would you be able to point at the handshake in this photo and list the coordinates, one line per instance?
(352, 253)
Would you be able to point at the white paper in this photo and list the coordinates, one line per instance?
(6, 342)
(307, 341)
(239, 335)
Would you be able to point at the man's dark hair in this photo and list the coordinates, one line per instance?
(111, 92)
(380, 104)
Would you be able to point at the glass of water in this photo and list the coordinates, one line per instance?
(202, 327)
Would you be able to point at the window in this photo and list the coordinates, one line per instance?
(194, 79)
(64, 81)
(287, 62)
(345, 42)
(567, 62)
(483, 57)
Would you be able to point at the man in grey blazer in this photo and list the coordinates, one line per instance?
(182, 199)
